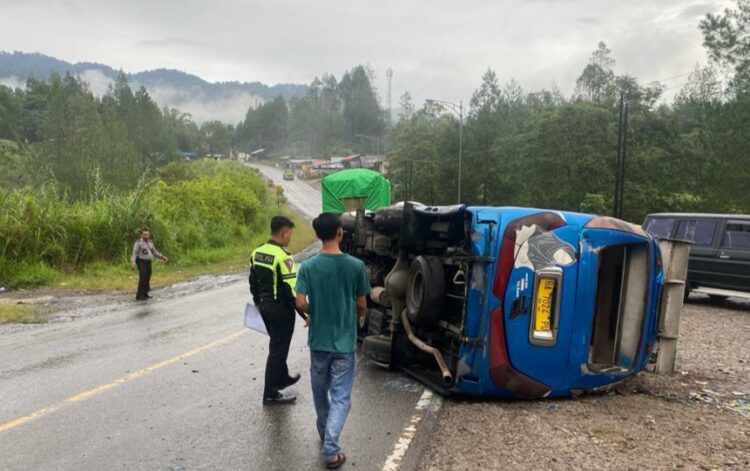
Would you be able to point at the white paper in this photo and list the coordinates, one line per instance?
(253, 320)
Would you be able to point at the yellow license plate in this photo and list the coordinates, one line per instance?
(544, 300)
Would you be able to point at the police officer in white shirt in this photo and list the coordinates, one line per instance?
(144, 252)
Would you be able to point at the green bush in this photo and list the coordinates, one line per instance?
(203, 205)
(31, 274)
(593, 203)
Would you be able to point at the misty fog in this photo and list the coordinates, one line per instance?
(229, 108)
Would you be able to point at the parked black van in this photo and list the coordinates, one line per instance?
(720, 254)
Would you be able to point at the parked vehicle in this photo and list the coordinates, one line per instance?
(720, 250)
(511, 302)
(352, 189)
(288, 174)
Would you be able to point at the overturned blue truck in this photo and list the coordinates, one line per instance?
(505, 301)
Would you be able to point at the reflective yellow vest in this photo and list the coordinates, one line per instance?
(280, 262)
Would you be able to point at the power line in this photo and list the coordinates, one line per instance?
(670, 78)
(675, 86)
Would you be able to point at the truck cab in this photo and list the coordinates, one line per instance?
(506, 301)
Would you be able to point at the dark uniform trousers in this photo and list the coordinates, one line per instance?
(144, 277)
(279, 320)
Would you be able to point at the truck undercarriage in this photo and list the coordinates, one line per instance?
(420, 267)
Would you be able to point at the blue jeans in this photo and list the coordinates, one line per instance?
(332, 378)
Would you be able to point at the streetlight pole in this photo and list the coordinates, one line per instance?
(375, 142)
(460, 145)
(459, 110)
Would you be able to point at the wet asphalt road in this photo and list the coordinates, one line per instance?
(176, 384)
(299, 194)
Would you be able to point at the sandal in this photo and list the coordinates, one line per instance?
(337, 462)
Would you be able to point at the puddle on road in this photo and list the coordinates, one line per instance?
(49, 363)
(404, 384)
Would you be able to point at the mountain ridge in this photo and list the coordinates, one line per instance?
(226, 100)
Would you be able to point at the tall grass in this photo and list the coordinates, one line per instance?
(191, 206)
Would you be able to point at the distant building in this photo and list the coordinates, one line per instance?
(379, 163)
(258, 154)
(299, 162)
(371, 162)
(313, 168)
(321, 168)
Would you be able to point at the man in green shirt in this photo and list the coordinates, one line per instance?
(332, 288)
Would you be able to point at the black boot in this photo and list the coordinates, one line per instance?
(279, 398)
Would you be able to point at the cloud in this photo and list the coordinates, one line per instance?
(13, 82)
(229, 108)
(169, 42)
(98, 82)
(697, 11)
(438, 49)
(588, 20)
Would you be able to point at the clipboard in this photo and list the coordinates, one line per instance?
(253, 321)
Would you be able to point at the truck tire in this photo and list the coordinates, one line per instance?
(425, 290)
(377, 348)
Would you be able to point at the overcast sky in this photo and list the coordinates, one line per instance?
(437, 49)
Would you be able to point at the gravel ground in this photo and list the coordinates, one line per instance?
(698, 418)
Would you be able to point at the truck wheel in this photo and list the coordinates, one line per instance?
(424, 293)
(377, 348)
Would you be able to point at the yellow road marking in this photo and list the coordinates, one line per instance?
(27, 418)
(125, 379)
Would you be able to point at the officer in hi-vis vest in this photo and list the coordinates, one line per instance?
(273, 277)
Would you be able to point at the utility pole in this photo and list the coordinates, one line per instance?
(460, 145)
(389, 128)
(622, 146)
(408, 179)
(459, 110)
(375, 146)
(389, 76)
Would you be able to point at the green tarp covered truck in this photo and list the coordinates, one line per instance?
(349, 190)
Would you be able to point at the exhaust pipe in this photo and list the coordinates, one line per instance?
(395, 286)
(380, 296)
(447, 376)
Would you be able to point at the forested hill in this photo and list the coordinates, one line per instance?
(226, 101)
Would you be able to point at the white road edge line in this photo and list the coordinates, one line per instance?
(407, 435)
